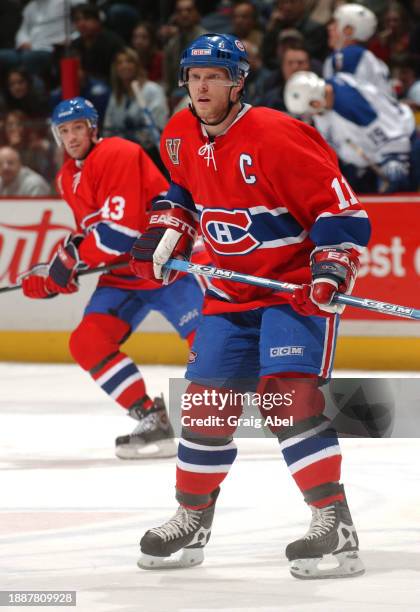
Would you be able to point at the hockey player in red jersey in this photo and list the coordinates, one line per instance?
(271, 201)
(110, 184)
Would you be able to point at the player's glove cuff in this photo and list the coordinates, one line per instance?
(66, 262)
(333, 270)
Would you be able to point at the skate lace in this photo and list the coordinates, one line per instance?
(147, 424)
(207, 151)
(323, 519)
(182, 523)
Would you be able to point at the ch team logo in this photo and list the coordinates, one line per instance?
(227, 231)
(172, 147)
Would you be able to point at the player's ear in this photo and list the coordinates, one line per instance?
(95, 135)
(238, 90)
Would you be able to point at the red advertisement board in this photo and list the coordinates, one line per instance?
(390, 269)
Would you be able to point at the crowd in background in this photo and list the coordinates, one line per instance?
(129, 53)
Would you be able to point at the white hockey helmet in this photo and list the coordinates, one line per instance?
(361, 19)
(301, 89)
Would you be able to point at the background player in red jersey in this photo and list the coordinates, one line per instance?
(271, 201)
(110, 184)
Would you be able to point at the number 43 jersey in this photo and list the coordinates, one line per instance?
(109, 194)
(266, 192)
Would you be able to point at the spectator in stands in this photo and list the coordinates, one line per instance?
(294, 58)
(137, 109)
(218, 18)
(144, 41)
(294, 14)
(351, 28)
(414, 44)
(393, 36)
(18, 180)
(371, 133)
(35, 149)
(405, 70)
(187, 19)
(245, 23)
(321, 11)
(42, 30)
(10, 19)
(96, 46)
(288, 38)
(257, 76)
(20, 94)
(95, 90)
(121, 15)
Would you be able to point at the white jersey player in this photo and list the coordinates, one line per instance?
(352, 25)
(369, 131)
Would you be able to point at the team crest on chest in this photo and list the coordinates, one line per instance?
(172, 147)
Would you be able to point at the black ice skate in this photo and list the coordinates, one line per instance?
(152, 437)
(331, 532)
(187, 531)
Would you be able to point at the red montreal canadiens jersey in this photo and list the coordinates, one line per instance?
(109, 194)
(267, 192)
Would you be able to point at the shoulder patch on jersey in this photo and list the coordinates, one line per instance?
(172, 147)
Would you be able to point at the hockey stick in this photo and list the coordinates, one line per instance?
(371, 164)
(340, 298)
(100, 270)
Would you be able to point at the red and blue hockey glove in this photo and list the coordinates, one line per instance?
(333, 270)
(67, 263)
(170, 234)
(36, 284)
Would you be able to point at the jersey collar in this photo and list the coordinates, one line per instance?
(245, 108)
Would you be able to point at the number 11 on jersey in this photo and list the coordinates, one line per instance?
(343, 202)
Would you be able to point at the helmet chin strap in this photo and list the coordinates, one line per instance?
(214, 123)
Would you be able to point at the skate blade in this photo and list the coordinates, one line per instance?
(349, 565)
(161, 449)
(188, 558)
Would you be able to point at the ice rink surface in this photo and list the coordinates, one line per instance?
(72, 514)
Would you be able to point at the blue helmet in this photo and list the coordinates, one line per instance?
(221, 50)
(71, 110)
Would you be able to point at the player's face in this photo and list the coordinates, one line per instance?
(77, 138)
(210, 90)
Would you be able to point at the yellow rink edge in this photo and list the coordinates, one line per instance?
(353, 352)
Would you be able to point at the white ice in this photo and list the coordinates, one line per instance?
(72, 514)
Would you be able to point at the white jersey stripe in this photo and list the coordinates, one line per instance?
(360, 214)
(203, 469)
(115, 368)
(125, 384)
(330, 451)
(272, 244)
(204, 447)
(304, 435)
